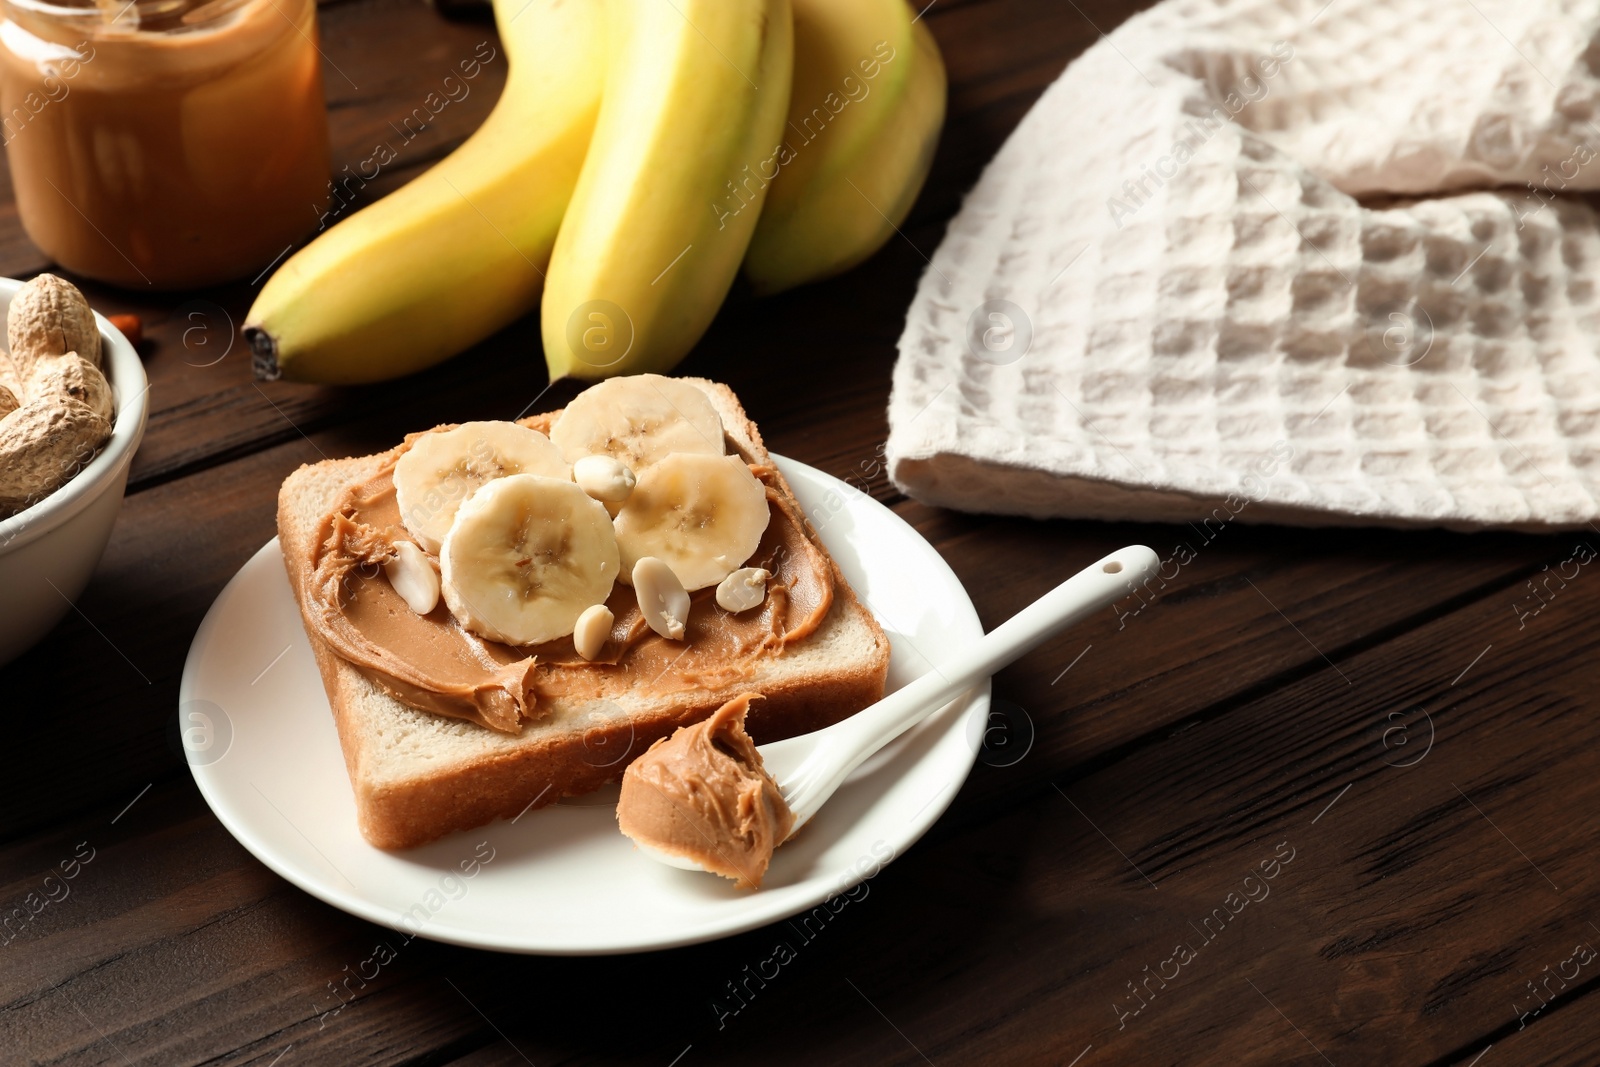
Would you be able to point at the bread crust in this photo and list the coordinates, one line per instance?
(504, 776)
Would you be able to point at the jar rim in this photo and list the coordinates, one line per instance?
(149, 16)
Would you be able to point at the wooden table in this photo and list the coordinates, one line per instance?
(1360, 715)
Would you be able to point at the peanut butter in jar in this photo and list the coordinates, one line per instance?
(164, 143)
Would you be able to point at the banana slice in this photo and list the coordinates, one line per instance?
(526, 557)
(638, 419)
(701, 515)
(441, 469)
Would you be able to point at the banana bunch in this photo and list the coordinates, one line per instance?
(641, 153)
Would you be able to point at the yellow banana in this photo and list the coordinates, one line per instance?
(869, 99)
(459, 252)
(695, 98)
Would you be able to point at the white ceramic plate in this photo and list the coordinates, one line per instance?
(562, 880)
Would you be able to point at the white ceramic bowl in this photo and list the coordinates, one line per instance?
(48, 552)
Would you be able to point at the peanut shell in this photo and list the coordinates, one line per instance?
(71, 376)
(9, 378)
(49, 316)
(43, 444)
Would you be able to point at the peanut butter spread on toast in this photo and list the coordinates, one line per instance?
(432, 663)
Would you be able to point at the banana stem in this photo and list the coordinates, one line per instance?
(263, 354)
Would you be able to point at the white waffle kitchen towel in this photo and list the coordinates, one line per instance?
(1227, 260)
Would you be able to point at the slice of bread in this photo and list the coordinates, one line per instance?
(418, 775)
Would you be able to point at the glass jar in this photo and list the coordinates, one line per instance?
(164, 143)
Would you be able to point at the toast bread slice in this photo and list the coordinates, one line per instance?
(418, 775)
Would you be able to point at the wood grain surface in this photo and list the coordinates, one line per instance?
(1324, 799)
